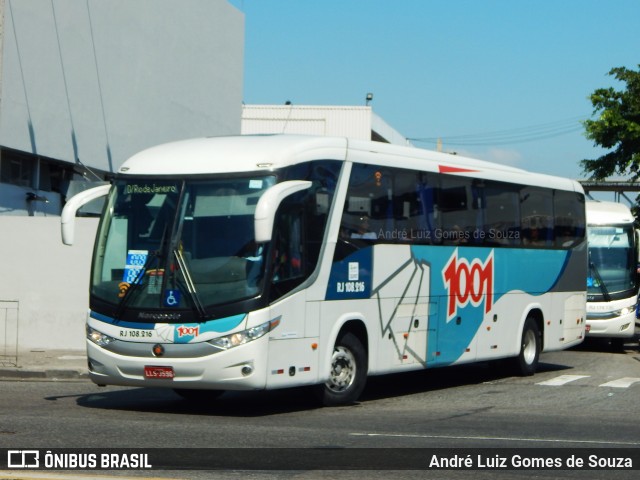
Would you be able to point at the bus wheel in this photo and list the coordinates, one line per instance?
(199, 396)
(348, 372)
(526, 362)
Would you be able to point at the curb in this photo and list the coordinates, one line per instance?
(50, 375)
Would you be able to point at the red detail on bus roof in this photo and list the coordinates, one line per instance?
(448, 169)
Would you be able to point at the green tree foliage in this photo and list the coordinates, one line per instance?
(617, 127)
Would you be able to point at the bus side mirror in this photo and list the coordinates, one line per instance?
(68, 217)
(268, 204)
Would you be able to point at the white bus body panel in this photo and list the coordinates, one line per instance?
(403, 318)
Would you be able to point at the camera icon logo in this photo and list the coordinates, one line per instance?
(23, 459)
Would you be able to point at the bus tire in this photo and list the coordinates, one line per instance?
(198, 396)
(348, 374)
(526, 363)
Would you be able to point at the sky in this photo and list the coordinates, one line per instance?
(500, 80)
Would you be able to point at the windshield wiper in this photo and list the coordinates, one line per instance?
(175, 249)
(191, 287)
(603, 287)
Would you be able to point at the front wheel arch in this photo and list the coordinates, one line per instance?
(348, 369)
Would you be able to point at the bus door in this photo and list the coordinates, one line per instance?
(401, 291)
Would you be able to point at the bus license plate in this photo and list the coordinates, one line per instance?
(158, 372)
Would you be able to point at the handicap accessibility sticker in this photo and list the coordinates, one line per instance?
(171, 298)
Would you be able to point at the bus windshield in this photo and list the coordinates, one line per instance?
(611, 260)
(179, 244)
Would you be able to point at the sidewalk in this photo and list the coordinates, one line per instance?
(44, 364)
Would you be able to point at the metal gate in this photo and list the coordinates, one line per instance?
(9, 310)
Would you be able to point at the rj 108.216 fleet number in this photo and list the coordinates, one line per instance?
(135, 333)
(349, 287)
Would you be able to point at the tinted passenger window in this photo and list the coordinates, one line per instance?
(569, 218)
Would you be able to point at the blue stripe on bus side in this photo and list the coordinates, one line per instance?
(220, 325)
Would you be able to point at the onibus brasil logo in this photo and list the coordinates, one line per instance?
(468, 282)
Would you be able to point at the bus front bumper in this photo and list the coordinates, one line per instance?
(239, 368)
(622, 326)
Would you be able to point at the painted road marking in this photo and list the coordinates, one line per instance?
(625, 382)
(493, 439)
(562, 380)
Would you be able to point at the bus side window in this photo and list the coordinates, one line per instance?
(536, 209)
(568, 208)
(361, 222)
(287, 256)
(287, 250)
(299, 228)
(501, 214)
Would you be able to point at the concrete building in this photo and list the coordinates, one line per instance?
(358, 122)
(84, 85)
(87, 84)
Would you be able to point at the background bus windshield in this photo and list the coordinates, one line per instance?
(611, 260)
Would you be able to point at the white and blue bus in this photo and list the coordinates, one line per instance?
(263, 262)
(612, 281)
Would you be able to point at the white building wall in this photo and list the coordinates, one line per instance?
(389, 133)
(342, 121)
(13, 202)
(48, 280)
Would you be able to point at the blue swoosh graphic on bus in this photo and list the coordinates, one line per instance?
(514, 270)
(220, 325)
(509, 271)
(531, 271)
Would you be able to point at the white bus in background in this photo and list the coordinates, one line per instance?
(612, 282)
(262, 262)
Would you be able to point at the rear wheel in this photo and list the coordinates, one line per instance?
(526, 362)
(348, 374)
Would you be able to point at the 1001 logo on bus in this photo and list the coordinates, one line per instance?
(468, 283)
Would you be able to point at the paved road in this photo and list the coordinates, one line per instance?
(585, 398)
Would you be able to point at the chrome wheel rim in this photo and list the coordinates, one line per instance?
(343, 370)
(529, 347)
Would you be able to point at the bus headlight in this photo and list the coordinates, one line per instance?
(99, 338)
(245, 336)
(625, 311)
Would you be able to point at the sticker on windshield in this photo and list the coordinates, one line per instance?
(154, 278)
(134, 264)
(171, 298)
(255, 184)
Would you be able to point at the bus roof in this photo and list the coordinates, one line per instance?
(608, 213)
(251, 153)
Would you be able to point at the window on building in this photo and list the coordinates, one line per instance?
(18, 169)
